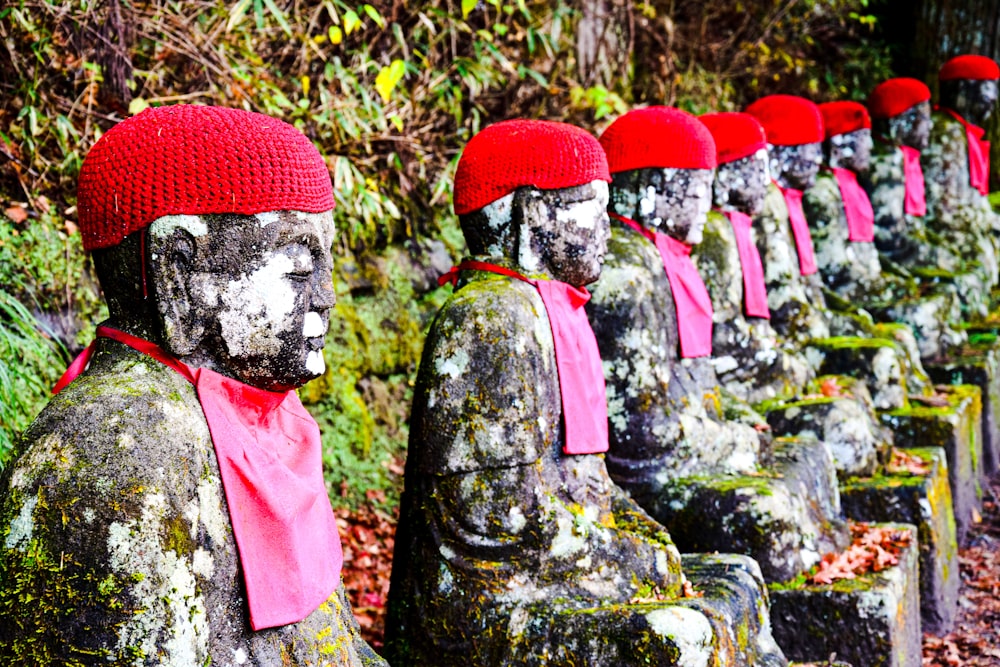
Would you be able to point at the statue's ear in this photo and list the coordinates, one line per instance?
(171, 264)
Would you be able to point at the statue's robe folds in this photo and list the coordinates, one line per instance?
(509, 552)
(116, 546)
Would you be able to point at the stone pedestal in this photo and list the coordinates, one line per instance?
(871, 621)
(979, 365)
(924, 501)
(957, 428)
(781, 518)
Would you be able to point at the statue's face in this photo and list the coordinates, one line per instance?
(982, 99)
(913, 126)
(569, 231)
(261, 288)
(796, 166)
(742, 184)
(852, 150)
(675, 201)
(972, 99)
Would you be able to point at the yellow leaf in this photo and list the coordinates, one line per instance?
(374, 15)
(351, 21)
(397, 122)
(137, 105)
(336, 35)
(467, 7)
(388, 78)
(305, 85)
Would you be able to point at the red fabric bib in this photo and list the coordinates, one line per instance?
(915, 202)
(754, 288)
(691, 299)
(578, 361)
(270, 460)
(979, 154)
(857, 207)
(800, 230)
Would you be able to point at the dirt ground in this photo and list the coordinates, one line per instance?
(975, 641)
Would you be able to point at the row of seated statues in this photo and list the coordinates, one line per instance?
(627, 307)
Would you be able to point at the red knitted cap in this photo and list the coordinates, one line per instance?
(196, 160)
(658, 137)
(844, 116)
(737, 135)
(893, 97)
(978, 68)
(515, 153)
(788, 120)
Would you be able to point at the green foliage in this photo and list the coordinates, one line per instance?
(30, 363)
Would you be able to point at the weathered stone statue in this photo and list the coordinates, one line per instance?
(168, 506)
(678, 442)
(514, 546)
(794, 130)
(841, 220)
(956, 163)
(747, 357)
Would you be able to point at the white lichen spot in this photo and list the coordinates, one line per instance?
(192, 224)
(213, 516)
(125, 441)
(688, 629)
(312, 325)
(89, 515)
(518, 622)
(202, 563)
(515, 519)
(315, 363)
(267, 218)
(23, 525)
(257, 308)
(240, 656)
(453, 366)
(171, 622)
(567, 541)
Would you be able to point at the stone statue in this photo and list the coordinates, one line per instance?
(794, 129)
(677, 439)
(168, 505)
(841, 220)
(746, 354)
(901, 125)
(956, 164)
(514, 546)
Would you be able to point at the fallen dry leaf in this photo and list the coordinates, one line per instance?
(16, 213)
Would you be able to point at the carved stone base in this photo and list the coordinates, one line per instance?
(786, 518)
(981, 367)
(871, 621)
(957, 428)
(924, 501)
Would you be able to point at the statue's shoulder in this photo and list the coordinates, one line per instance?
(632, 268)
(945, 129)
(825, 193)
(718, 244)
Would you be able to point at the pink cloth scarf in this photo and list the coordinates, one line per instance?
(979, 154)
(578, 361)
(800, 230)
(268, 448)
(691, 299)
(857, 207)
(754, 288)
(915, 202)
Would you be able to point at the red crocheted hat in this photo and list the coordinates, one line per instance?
(737, 135)
(788, 120)
(894, 96)
(196, 160)
(515, 153)
(978, 68)
(844, 116)
(658, 137)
